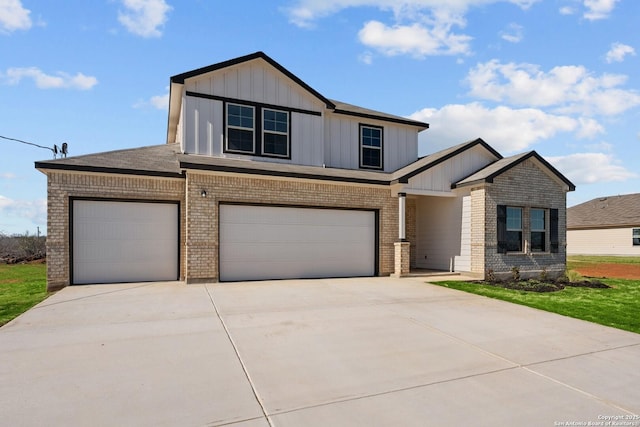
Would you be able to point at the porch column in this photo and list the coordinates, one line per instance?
(402, 216)
(402, 254)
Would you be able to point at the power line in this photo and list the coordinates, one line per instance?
(54, 150)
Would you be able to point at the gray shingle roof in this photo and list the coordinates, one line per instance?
(155, 160)
(354, 110)
(167, 160)
(610, 211)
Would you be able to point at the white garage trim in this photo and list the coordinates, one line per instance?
(261, 242)
(116, 241)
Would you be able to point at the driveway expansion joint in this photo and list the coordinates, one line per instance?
(237, 352)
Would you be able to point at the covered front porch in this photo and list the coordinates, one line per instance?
(434, 234)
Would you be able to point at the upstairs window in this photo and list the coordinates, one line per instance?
(370, 147)
(240, 128)
(636, 237)
(538, 230)
(275, 133)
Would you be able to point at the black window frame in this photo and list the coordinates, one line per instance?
(264, 132)
(227, 127)
(635, 240)
(258, 129)
(540, 234)
(552, 225)
(362, 147)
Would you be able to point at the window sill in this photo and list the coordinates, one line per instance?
(527, 253)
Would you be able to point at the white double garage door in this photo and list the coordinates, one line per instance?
(131, 241)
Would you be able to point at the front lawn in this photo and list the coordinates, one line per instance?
(617, 306)
(21, 287)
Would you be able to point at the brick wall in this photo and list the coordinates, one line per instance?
(202, 213)
(63, 185)
(527, 186)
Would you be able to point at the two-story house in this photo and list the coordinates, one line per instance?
(262, 177)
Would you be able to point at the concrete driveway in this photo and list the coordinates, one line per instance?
(352, 352)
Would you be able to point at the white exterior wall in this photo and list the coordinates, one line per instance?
(440, 177)
(202, 119)
(463, 261)
(438, 231)
(342, 142)
(607, 241)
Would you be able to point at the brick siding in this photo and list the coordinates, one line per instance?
(202, 212)
(63, 185)
(527, 186)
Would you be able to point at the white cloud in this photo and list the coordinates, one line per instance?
(13, 16)
(144, 17)
(420, 27)
(7, 175)
(33, 210)
(416, 40)
(47, 81)
(590, 168)
(304, 12)
(159, 102)
(567, 10)
(513, 34)
(588, 128)
(506, 129)
(366, 58)
(600, 146)
(598, 9)
(618, 51)
(567, 89)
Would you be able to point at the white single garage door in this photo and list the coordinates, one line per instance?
(124, 241)
(267, 242)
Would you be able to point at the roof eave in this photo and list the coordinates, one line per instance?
(45, 166)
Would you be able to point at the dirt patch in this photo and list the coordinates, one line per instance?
(610, 270)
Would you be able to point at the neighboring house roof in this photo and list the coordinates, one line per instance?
(488, 173)
(606, 212)
(177, 81)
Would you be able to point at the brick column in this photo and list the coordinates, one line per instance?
(402, 256)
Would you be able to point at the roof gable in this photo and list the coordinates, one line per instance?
(487, 174)
(403, 175)
(180, 78)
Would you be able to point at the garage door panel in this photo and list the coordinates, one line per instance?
(266, 242)
(124, 241)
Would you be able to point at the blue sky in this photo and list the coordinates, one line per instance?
(556, 76)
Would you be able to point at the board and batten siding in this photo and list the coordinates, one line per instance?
(441, 176)
(202, 119)
(602, 241)
(342, 142)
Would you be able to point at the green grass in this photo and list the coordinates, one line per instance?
(576, 260)
(617, 306)
(21, 287)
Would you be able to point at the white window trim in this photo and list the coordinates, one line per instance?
(285, 156)
(228, 126)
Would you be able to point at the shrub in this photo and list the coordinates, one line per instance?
(515, 273)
